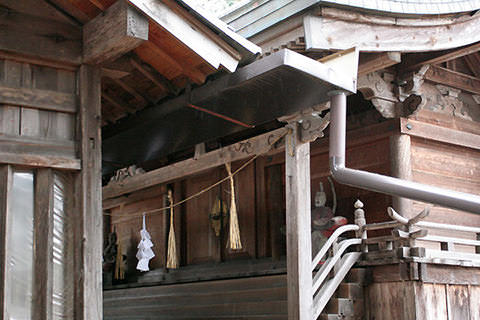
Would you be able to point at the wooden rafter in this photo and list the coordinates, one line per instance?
(377, 61)
(453, 79)
(417, 60)
(130, 90)
(473, 63)
(189, 34)
(150, 73)
(162, 61)
(120, 105)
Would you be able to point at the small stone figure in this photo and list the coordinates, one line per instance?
(324, 222)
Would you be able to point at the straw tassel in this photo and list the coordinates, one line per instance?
(172, 261)
(234, 231)
(119, 266)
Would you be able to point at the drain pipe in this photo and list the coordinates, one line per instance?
(380, 183)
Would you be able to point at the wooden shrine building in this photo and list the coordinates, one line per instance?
(301, 159)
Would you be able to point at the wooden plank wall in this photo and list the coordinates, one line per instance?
(37, 112)
(427, 301)
(446, 165)
(260, 193)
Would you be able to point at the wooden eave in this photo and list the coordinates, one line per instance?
(139, 70)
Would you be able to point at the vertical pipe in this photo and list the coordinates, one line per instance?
(384, 184)
(338, 112)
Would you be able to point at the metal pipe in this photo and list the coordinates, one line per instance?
(380, 183)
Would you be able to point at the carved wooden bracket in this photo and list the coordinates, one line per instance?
(392, 98)
(310, 121)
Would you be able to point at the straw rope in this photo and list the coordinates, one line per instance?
(195, 195)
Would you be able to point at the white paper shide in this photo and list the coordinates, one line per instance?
(145, 252)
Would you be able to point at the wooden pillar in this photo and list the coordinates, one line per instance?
(400, 155)
(88, 196)
(43, 240)
(5, 185)
(299, 246)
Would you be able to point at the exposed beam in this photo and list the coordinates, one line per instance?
(473, 63)
(187, 33)
(131, 90)
(113, 73)
(372, 62)
(39, 99)
(151, 53)
(415, 61)
(40, 161)
(118, 30)
(44, 39)
(98, 4)
(154, 76)
(325, 33)
(453, 79)
(118, 104)
(441, 134)
(237, 151)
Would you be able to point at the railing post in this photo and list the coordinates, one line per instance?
(299, 245)
(360, 221)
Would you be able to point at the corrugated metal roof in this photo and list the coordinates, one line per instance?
(266, 13)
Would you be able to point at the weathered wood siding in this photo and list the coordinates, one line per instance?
(260, 194)
(37, 110)
(427, 301)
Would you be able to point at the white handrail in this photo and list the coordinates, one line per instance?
(331, 240)
(328, 265)
(322, 298)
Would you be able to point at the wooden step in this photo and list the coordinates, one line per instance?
(356, 275)
(350, 290)
(194, 311)
(345, 307)
(195, 298)
(199, 287)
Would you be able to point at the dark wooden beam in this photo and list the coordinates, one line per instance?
(113, 73)
(413, 61)
(45, 39)
(441, 134)
(237, 151)
(473, 63)
(370, 62)
(120, 105)
(158, 79)
(40, 161)
(39, 99)
(453, 79)
(130, 90)
(118, 30)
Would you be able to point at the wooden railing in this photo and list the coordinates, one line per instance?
(409, 239)
(415, 239)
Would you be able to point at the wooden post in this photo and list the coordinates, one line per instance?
(43, 240)
(299, 245)
(400, 155)
(88, 195)
(5, 185)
